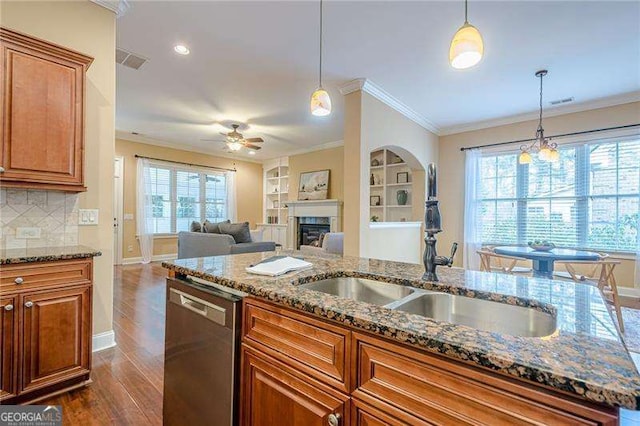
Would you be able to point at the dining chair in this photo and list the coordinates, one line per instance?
(600, 274)
(490, 261)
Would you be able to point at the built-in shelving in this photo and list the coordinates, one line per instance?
(391, 173)
(276, 195)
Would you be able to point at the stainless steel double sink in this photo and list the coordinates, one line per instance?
(481, 314)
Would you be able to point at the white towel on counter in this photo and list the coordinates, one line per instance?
(278, 265)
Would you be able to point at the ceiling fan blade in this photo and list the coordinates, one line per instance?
(212, 140)
(254, 140)
(254, 147)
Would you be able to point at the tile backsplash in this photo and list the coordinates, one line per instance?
(54, 212)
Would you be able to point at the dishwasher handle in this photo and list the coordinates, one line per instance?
(201, 307)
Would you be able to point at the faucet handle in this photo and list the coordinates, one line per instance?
(454, 248)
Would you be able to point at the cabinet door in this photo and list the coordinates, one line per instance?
(56, 328)
(273, 394)
(42, 110)
(8, 347)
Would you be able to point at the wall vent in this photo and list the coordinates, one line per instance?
(128, 59)
(562, 101)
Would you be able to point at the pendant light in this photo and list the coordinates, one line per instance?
(466, 46)
(547, 151)
(320, 100)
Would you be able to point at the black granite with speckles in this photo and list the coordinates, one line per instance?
(585, 356)
(46, 254)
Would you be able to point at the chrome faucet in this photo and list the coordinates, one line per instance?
(433, 225)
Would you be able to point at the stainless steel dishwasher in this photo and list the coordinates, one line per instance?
(201, 358)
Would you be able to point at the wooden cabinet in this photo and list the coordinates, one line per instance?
(275, 394)
(42, 111)
(8, 350)
(299, 370)
(56, 336)
(46, 334)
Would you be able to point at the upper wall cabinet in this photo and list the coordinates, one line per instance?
(42, 113)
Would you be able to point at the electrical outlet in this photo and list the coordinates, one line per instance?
(28, 233)
(88, 217)
(129, 249)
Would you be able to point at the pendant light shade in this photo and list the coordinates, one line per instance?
(467, 47)
(320, 103)
(320, 99)
(524, 158)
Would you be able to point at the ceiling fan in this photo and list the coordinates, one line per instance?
(235, 141)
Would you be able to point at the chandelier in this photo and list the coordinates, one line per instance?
(547, 151)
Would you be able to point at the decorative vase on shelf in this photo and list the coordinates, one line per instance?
(372, 180)
(402, 197)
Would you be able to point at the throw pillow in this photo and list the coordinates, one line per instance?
(195, 226)
(212, 228)
(239, 231)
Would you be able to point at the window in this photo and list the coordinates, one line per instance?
(588, 199)
(180, 196)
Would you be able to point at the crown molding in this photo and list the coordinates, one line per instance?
(609, 101)
(173, 145)
(380, 94)
(119, 7)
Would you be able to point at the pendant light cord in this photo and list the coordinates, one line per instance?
(540, 120)
(320, 70)
(466, 21)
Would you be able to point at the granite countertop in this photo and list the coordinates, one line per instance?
(46, 254)
(585, 356)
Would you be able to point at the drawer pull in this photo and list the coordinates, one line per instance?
(28, 304)
(334, 419)
(8, 308)
(18, 280)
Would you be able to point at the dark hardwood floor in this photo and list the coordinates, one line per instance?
(127, 388)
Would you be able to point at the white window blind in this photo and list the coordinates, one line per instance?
(181, 195)
(588, 199)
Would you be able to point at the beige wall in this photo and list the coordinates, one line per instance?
(331, 159)
(451, 162)
(248, 182)
(90, 29)
(371, 125)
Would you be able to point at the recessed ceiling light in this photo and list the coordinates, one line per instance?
(181, 49)
(252, 153)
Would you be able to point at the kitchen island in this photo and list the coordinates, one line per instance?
(584, 361)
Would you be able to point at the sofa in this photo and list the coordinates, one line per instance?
(202, 244)
(332, 243)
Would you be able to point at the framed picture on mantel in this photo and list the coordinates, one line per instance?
(313, 185)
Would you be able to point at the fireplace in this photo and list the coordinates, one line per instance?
(307, 220)
(311, 229)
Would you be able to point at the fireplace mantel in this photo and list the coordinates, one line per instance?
(331, 209)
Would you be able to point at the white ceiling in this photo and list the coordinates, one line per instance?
(256, 62)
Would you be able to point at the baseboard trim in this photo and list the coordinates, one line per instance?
(103, 341)
(156, 258)
(629, 291)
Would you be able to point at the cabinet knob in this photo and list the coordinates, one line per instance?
(28, 304)
(8, 308)
(1, 169)
(18, 280)
(334, 419)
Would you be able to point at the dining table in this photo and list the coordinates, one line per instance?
(543, 261)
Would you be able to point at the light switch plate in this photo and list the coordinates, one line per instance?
(88, 217)
(28, 233)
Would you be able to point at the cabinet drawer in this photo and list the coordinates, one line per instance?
(317, 348)
(445, 392)
(30, 276)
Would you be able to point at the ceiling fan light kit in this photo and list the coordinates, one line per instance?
(320, 99)
(467, 46)
(547, 151)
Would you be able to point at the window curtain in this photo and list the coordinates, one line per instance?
(472, 199)
(637, 280)
(144, 209)
(232, 204)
